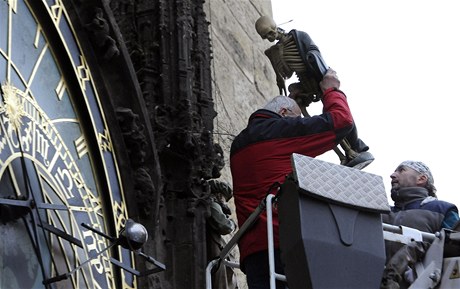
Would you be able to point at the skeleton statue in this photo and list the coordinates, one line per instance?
(295, 52)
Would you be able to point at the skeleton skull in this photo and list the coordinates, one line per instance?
(266, 27)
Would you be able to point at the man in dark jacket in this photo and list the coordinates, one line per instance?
(415, 201)
(260, 156)
(415, 206)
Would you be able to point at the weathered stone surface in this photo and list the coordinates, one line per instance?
(225, 28)
(243, 79)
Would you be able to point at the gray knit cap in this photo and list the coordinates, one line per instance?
(422, 169)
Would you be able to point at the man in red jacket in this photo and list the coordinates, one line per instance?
(261, 156)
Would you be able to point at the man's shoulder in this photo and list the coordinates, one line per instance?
(420, 219)
(432, 203)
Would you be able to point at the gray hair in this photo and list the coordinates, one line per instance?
(279, 102)
(423, 169)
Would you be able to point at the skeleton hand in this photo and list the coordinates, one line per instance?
(298, 93)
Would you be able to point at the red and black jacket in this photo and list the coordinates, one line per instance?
(261, 155)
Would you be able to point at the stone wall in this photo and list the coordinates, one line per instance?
(243, 79)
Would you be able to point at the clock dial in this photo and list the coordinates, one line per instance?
(57, 165)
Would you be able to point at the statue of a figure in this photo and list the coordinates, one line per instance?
(295, 52)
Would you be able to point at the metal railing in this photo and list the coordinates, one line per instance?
(390, 232)
(265, 205)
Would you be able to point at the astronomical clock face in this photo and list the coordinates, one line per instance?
(58, 170)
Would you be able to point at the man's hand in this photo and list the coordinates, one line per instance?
(330, 80)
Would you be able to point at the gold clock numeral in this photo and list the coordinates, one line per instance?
(92, 202)
(60, 89)
(2, 144)
(69, 182)
(95, 244)
(81, 147)
(8, 133)
(56, 11)
(37, 37)
(83, 73)
(13, 4)
(104, 141)
(36, 142)
(42, 146)
(3, 133)
(64, 178)
(119, 212)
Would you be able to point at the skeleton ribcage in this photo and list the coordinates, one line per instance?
(291, 55)
(285, 58)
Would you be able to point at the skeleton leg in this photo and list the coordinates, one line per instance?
(350, 157)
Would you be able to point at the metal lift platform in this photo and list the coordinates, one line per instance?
(331, 234)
